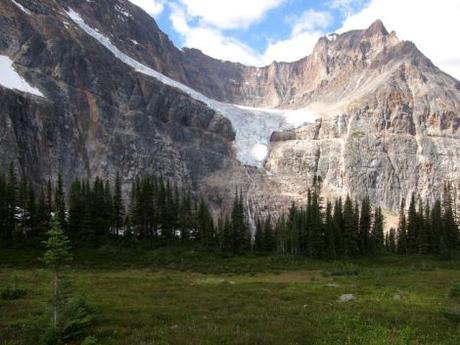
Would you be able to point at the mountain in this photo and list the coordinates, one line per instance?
(105, 90)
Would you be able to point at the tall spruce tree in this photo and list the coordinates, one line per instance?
(391, 243)
(377, 238)
(259, 236)
(365, 226)
(269, 236)
(11, 203)
(118, 206)
(438, 239)
(60, 204)
(205, 225)
(412, 228)
(329, 240)
(338, 227)
(450, 228)
(402, 229)
(56, 256)
(350, 230)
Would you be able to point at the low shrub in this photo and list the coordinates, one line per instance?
(455, 291)
(89, 341)
(79, 318)
(343, 270)
(10, 294)
(452, 313)
(75, 326)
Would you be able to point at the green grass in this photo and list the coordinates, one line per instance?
(182, 295)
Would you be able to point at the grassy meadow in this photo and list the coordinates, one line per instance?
(183, 295)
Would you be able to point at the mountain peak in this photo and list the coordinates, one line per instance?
(377, 28)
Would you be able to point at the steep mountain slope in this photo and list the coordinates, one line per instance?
(378, 117)
(97, 115)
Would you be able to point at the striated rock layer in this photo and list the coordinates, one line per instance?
(389, 119)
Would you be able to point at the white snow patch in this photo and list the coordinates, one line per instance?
(123, 11)
(135, 42)
(332, 37)
(253, 126)
(23, 9)
(259, 151)
(10, 79)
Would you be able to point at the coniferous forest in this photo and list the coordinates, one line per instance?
(93, 213)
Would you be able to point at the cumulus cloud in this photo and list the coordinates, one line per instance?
(152, 7)
(291, 49)
(310, 20)
(224, 14)
(432, 26)
(305, 32)
(210, 40)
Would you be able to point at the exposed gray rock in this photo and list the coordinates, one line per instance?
(389, 118)
(347, 298)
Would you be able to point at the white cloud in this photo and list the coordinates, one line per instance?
(213, 42)
(432, 26)
(345, 6)
(210, 40)
(152, 7)
(310, 20)
(292, 49)
(225, 14)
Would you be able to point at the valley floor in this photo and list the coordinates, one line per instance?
(186, 296)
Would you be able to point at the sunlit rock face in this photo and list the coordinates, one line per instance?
(365, 112)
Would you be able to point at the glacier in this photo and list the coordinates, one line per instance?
(253, 126)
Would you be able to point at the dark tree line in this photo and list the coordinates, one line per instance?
(426, 229)
(343, 229)
(93, 212)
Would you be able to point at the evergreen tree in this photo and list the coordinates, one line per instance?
(391, 243)
(402, 230)
(227, 240)
(269, 236)
(56, 256)
(205, 225)
(293, 231)
(412, 228)
(438, 239)
(42, 220)
(377, 238)
(316, 226)
(350, 226)
(329, 232)
(49, 199)
(31, 206)
(118, 207)
(59, 201)
(11, 203)
(3, 206)
(240, 231)
(76, 211)
(426, 233)
(365, 226)
(186, 217)
(22, 212)
(450, 228)
(259, 237)
(338, 227)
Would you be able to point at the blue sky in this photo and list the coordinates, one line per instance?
(257, 32)
(273, 26)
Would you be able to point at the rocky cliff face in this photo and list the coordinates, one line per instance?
(388, 118)
(98, 115)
